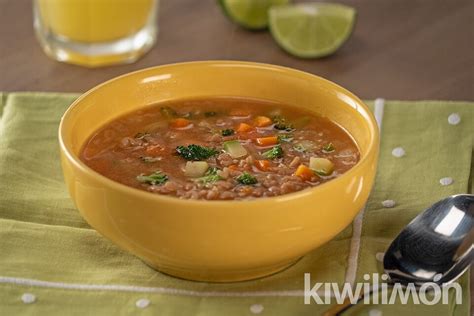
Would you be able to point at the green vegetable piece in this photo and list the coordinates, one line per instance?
(322, 166)
(210, 176)
(149, 159)
(280, 123)
(227, 132)
(247, 179)
(196, 152)
(321, 173)
(156, 178)
(275, 152)
(168, 112)
(235, 149)
(285, 138)
(328, 148)
(195, 169)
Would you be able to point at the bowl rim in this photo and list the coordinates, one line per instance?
(77, 162)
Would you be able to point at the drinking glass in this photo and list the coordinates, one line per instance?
(95, 33)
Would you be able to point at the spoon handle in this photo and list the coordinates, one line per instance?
(338, 309)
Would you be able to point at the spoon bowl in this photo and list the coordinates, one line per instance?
(436, 246)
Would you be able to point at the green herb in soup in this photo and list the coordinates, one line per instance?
(247, 178)
(156, 178)
(275, 152)
(211, 176)
(221, 148)
(328, 148)
(195, 152)
(281, 123)
(285, 138)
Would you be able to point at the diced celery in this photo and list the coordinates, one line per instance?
(235, 149)
(321, 166)
(195, 169)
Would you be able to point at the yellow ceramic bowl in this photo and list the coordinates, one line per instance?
(217, 240)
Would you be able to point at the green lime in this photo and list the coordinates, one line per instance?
(310, 30)
(251, 14)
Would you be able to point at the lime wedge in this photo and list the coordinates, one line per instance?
(251, 14)
(311, 30)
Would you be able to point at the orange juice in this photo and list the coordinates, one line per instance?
(95, 20)
(95, 32)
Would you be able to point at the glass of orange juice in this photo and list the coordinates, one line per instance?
(95, 33)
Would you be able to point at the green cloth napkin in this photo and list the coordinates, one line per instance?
(48, 250)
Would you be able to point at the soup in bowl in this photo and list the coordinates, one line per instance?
(219, 171)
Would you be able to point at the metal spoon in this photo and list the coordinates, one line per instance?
(436, 246)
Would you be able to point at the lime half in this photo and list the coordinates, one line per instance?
(251, 14)
(311, 30)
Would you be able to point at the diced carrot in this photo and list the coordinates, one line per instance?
(246, 189)
(262, 121)
(180, 122)
(243, 127)
(233, 167)
(154, 150)
(239, 112)
(263, 165)
(304, 172)
(267, 141)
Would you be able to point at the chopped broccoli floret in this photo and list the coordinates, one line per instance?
(246, 178)
(275, 152)
(210, 176)
(227, 132)
(195, 152)
(280, 123)
(156, 178)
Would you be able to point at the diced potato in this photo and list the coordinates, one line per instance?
(196, 169)
(321, 166)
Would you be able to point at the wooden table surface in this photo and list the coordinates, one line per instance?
(400, 49)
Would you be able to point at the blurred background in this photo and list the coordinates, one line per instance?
(400, 49)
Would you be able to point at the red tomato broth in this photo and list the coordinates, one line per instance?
(145, 141)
